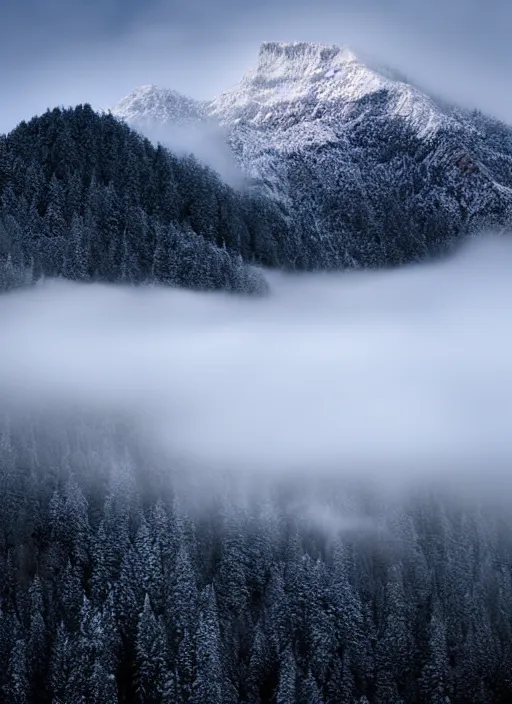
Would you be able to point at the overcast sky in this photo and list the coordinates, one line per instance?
(64, 51)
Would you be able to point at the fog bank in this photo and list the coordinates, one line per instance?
(402, 373)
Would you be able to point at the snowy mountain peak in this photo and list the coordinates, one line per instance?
(292, 84)
(306, 83)
(293, 56)
(152, 103)
(349, 152)
(327, 71)
(300, 73)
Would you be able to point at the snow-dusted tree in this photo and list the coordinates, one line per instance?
(287, 687)
(17, 687)
(209, 682)
(152, 659)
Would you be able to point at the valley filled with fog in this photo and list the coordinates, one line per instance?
(400, 374)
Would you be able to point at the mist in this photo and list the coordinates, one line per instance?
(207, 142)
(399, 374)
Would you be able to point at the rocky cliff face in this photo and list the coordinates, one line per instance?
(367, 169)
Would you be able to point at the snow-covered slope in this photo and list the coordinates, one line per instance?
(163, 105)
(301, 81)
(367, 168)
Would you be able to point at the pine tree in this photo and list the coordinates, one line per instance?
(287, 688)
(102, 685)
(10, 633)
(76, 262)
(37, 644)
(310, 692)
(17, 689)
(208, 684)
(433, 680)
(153, 673)
(182, 617)
(149, 557)
(60, 676)
(129, 594)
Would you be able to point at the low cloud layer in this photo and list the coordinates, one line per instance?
(399, 373)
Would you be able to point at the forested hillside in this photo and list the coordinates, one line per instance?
(116, 586)
(84, 197)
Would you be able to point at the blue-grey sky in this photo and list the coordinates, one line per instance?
(64, 51)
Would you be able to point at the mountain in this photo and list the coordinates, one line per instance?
(85, 197)
(367, 169)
